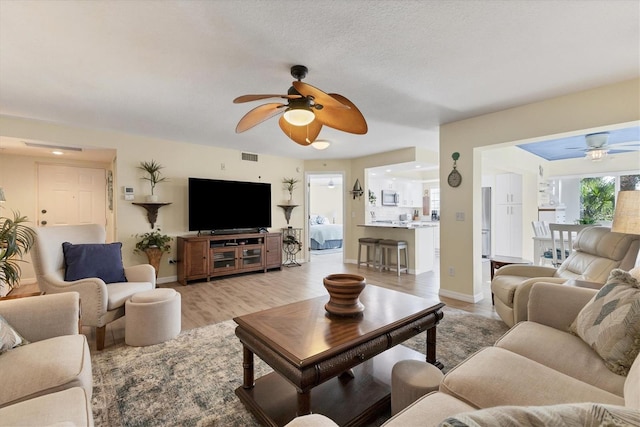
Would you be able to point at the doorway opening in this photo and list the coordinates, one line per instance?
(325, 216)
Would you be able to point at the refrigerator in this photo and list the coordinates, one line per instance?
(486, 222)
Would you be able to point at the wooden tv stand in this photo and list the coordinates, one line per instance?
(206, 256)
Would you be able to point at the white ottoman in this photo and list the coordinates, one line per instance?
(410, 380)
(152, 317)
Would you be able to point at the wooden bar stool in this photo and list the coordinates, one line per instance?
(387, 245)
(369, 243)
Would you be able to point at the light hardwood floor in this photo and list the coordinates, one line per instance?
(205, 303)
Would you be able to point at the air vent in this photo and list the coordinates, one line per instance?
(250, 157)
(51, 147)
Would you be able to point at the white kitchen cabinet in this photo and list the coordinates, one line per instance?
(508, 188)
(375, 186)
(400, 186)
(410, 193)
(508, 215)
(508, 232)
(416, 195)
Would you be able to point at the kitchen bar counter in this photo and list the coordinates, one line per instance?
(401, 224)
(419, 235)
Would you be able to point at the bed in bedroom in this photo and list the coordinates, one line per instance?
(324, 235)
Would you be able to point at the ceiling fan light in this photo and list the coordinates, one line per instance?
(596, 155)
(299, 116)
(597, 140)
(320, 144)
(331, 184)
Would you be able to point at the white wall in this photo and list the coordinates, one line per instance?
(327, 201)
(570, 197)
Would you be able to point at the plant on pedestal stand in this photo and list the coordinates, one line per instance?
(154, 176)
(154, 245)
(290, 185)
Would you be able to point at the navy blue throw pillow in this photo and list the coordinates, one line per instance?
(93, 260)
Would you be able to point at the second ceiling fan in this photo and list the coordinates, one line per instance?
(306, 111)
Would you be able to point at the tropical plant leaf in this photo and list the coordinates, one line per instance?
(16, 239)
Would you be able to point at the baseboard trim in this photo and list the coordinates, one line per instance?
(460, 297)
(167, 279)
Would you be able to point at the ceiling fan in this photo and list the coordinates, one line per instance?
(306, 111)
(597, 146)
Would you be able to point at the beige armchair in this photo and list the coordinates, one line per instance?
(597, 251)
(49, 381)
(101, 303)
(562, 237)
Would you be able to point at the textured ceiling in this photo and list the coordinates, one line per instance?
(170, 69)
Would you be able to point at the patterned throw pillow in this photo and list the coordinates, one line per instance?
(572, 414)
(9, 337)
(610, 322)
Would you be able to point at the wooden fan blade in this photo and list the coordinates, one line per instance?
(249, 98)
(319, 97)
(303, 135)
(259, 115)
(350, 120)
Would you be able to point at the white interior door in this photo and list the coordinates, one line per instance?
(69, 195)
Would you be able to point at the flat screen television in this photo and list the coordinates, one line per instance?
(225, 206)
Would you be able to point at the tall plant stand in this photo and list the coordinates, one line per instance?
(291, 245)
(154, 255)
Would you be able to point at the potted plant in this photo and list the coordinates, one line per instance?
(154, 176)
(586, 220)
(290, 185)
(154, 244)
(16, 239)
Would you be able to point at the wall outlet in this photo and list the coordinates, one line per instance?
(459, 216)
(172, 261)
(452, 271)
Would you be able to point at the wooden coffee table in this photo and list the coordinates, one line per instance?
(338, 367)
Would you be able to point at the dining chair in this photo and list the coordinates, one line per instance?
(562, 237)
(540, 228)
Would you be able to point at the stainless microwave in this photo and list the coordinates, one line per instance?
(390, 198)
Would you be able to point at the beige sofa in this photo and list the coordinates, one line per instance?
(536, 367)
(597, 251)
(48, 381)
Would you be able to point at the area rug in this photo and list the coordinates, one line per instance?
(190, 381)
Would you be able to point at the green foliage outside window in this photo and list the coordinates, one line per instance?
(629, 182)
(597, 199)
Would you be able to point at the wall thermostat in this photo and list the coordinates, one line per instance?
(128, 193)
